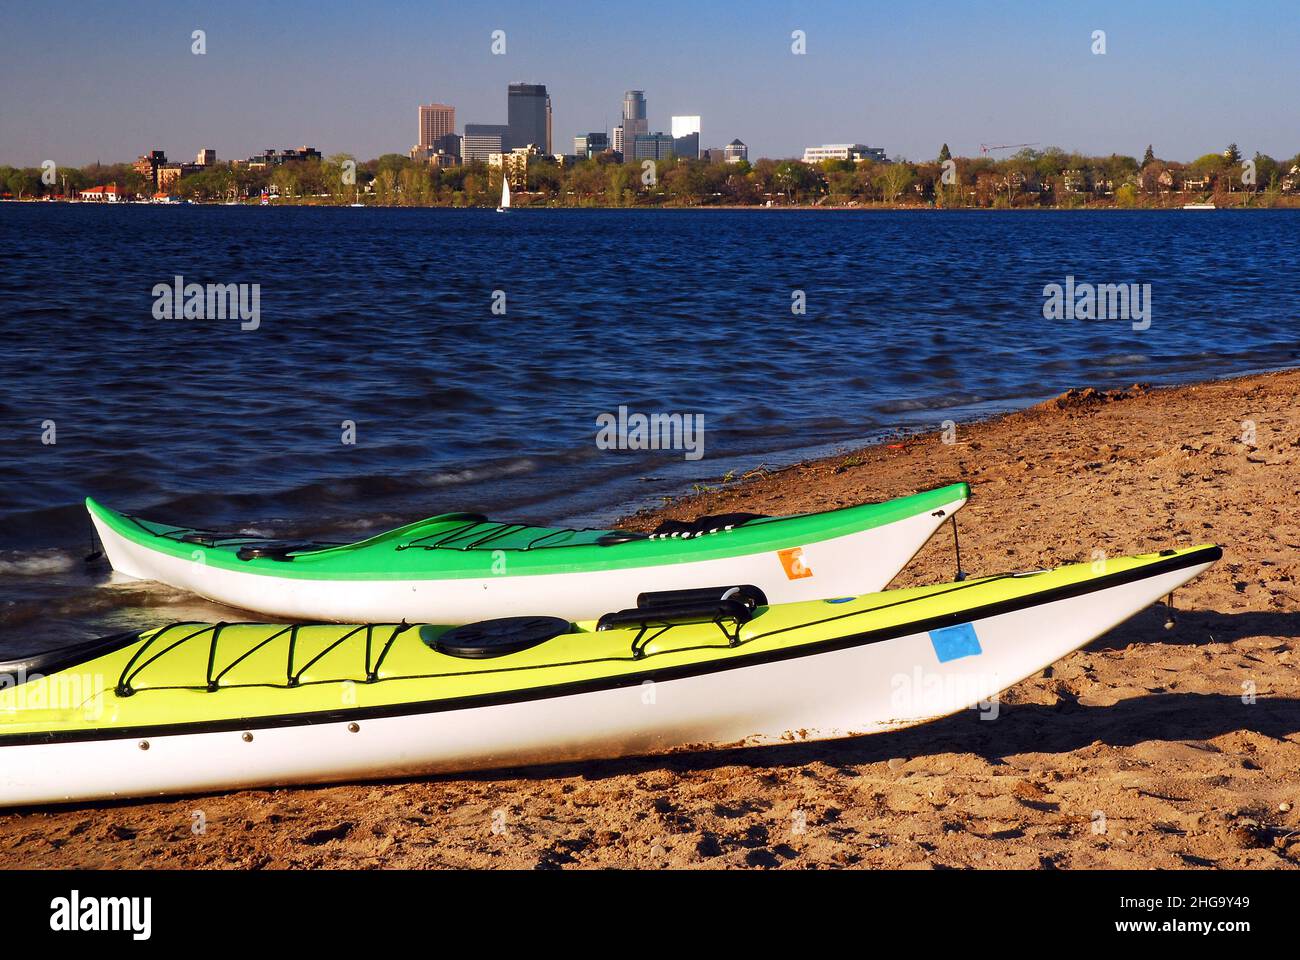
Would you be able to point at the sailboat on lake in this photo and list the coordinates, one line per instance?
(505, 195)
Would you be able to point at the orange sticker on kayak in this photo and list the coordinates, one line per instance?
(792, 561)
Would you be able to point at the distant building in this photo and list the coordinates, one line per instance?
(635, 123)
(147, 166)
(443, 152)
(528, 116)
(107, 194)
(1074, 181)
(170, 173)
(448, 144)
(685, 126)
(734, 152)
(686, 137)
(652, 146)
(588, 145)
(856, 152)
(206, 157)
(481, 140)
(436, 120)
(515, 163)
(712, 155)
(274, 158)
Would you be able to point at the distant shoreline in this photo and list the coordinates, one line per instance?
(1284, 204)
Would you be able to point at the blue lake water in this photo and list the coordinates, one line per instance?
(384, 318)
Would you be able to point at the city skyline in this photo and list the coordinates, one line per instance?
(1179, 76)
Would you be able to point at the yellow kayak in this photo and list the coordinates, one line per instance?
(197, 707)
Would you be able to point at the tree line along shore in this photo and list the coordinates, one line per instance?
(1049, 178)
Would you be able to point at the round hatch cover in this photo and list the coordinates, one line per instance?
(495, 638)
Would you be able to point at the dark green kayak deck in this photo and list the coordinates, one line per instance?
(470, 545)
(444, 532)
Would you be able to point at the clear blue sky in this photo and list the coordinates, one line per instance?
(85, 81)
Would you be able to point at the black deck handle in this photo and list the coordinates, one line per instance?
(747, 593)
(700, 604)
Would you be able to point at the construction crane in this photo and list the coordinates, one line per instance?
(985, 148)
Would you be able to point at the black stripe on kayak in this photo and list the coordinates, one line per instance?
(684, 671)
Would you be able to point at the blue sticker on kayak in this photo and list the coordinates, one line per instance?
(953, 643)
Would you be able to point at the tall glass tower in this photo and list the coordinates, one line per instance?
(528, 115)
(634, 116)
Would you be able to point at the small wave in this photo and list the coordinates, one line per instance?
(929, 403)
(512, 468)
(36, 564)
(110, 597)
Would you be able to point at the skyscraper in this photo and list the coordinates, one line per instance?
(436, 120)
(652, 146)
(590, 144)
(685, 126)
(528, 115)
(481, 140)
(686, 137)
(634, 116)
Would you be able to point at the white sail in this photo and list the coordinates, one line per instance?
(505, 193)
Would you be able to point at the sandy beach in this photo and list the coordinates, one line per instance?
(1151, 748)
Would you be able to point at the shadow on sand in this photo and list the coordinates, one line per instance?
(1197, 627)
(1024, 728)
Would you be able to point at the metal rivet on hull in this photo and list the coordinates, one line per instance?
(144, 744)
(353, 728)
(247, 737)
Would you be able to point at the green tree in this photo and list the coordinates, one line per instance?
(618, 183)
(1149, 157)
(738, 187)
(836, 166)
(23, 183)
(333, 170)
(545, 177)
(894, 178)
(585, 183)
(1208, 163)
(944, 153)
(1267, 171)
(684, 183)
(797, 180)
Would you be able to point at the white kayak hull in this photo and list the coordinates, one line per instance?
(864, 561)
(873, 687)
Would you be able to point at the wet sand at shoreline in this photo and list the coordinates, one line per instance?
(1150, 748)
